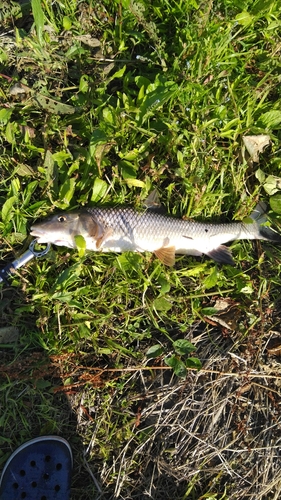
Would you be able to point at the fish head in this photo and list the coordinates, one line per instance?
(62, 228)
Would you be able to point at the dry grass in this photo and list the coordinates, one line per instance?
(216, 434)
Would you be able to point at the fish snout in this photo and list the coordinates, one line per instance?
(39, 234)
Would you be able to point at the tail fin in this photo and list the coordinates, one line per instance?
(260, 219)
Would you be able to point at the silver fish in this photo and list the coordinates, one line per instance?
(124, 229)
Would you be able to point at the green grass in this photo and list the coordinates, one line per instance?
(100, 103)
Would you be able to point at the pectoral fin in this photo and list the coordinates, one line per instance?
(106, 234)
(222, 254)
(166, 255)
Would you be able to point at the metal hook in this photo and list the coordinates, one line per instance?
(23, 259)
(39, 253)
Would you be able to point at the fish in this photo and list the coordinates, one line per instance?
(125, 229)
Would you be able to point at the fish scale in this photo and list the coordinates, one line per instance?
(153, 226)
(124, 229)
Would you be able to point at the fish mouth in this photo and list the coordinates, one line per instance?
(34, 231)
(42, 237)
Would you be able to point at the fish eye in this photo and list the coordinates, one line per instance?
(61, 218)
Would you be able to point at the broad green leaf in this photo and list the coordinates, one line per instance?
(162, 304)
(3, 56)
(84, 84)
(42, 384)
(25, 170)
(129, 261)
(66, 297)
(123, 263)
(142, 82)
(154, 351)
(66, 22)
(128, 169)
(5, 115)
(70, 274)
(272, 184)
(38, 15)
(107, 115)
(15, 186)
(51, 171)
(209, 311)
(229, 127)
(10, 132)
(275, 203)
(8, 209)
(118, 73)
(212, 279)
(81, 244)
(197, 270)
(177, 365)
(153, 101)
(262, 6)
(130, 155)
(274, 25)
(29, 190)
(141, 95)
(271, 119)
(247, 220)
(125, 3)
(193, 363)
(99, 190)
(260, 175)
(52, 106)
(183, 346)
(135, 183)
(61, 156)
(49, 166)
(84, 331)
(97, 137)
(67, 191)
(164, 285)
(244, 18)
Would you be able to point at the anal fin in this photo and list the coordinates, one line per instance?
(222, 254)
(166, 255)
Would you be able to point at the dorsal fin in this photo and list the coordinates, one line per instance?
(166, 255)
(152, 202)
(259, 212)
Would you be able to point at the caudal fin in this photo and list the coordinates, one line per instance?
(260, 219)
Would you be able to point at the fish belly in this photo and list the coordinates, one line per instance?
(121, 243)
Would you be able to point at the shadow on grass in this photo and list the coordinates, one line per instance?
(32, 399)
(99, 410)
(140, 432)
